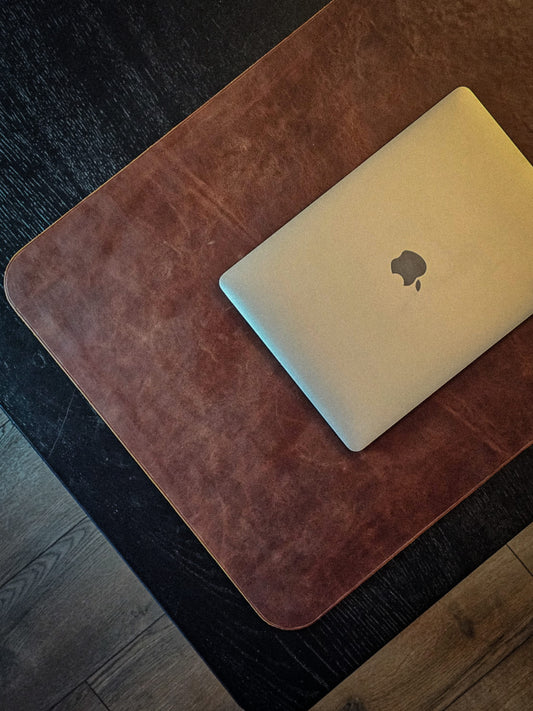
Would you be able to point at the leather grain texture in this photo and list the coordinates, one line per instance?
(123, 291)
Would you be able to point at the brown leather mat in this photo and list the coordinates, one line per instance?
(123, 291)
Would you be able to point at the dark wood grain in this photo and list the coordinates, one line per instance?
(72, 113)
(47, 609)
(129, 72)
(160, 670)
(36, 508)
(81, 699)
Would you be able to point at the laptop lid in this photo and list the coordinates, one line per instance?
(401, 274)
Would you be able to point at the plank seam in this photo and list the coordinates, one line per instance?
(519, 559)
(489, 671)
(125, 646)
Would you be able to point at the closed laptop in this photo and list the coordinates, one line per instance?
(401, 274)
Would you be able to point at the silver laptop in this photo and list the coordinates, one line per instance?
(401, 274)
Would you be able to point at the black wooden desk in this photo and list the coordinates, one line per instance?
(85, 88)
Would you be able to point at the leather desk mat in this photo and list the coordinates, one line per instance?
(123, 291)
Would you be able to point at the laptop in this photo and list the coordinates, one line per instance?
(400, 275)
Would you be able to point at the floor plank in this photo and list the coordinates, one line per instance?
(508, 687)
(36, 508)
(160, 670)
(449, 648)
(81, 699)
(522, 546)
(64, 615)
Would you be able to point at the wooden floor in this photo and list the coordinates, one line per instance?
(78, 632)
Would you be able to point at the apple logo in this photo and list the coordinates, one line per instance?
(410, 266)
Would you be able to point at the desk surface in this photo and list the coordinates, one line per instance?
(85, 93)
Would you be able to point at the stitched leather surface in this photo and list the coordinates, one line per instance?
(124, 293)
